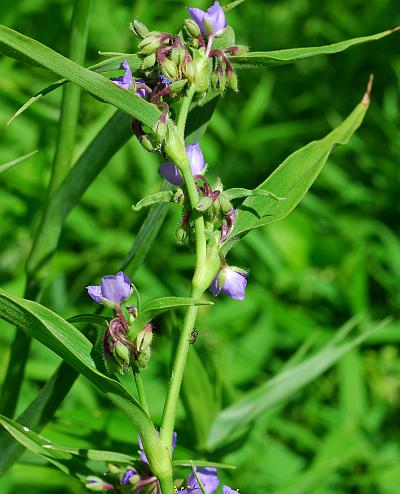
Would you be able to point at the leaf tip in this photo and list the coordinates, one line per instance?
(367, 95)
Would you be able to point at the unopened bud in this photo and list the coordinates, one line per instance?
(139, 29)
(225, 204)
(122, 353)
(147, 144)
(149, 45)
(97, 484)
(149, 61)
(160, 131)
(178, 196)
(232, 81)
(144, 338)
(204, 204)
(143, 358)
(192, 28)
(177, 86)
(169, 69)
(114, 469)
(180, 234)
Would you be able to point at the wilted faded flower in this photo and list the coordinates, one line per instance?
(230, 280)
(212, 21)
(170, 172)
(113, 290)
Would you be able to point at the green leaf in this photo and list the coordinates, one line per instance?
(10, 164)
(90, 319)
(200, 463)
(261, 59)
(226, 40)
(93, 82)
(294, 176)
(238, 193)
(258, 401)
(198, 398)
(95, 157)
(45, 449)
(232, 5)
(105, 67)
(163, 196)
(155, 307)
(70, 344)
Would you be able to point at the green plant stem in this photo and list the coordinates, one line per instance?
(169, 412)
(65, 142)
(184, 110)
(141, 391)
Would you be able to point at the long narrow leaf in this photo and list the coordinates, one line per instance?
(67, 342)
(258, 60)
(295, 175)
(91, 81)
(283, 386)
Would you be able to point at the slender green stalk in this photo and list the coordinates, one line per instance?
(65, 142)
(184, 110)
(141, 390)
(169, 412)
(71, 96)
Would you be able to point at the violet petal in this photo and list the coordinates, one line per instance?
(198, 16)
(196, 158)
(95, 292)
(235, 284)
(170, 172)
(116, 288)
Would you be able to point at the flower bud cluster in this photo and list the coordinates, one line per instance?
(121, 350)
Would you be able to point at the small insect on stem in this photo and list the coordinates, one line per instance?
(193, 337)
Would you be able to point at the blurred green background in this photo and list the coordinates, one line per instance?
(336, 256)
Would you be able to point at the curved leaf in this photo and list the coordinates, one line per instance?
(70, 344)
(258, 401)
(261, 59)
(157, 197)
(93, 82)
(294, 176)
(10, 164)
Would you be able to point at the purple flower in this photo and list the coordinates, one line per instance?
(126, 80)
(208, 477)
(113, 289)
(212, 21)
(230, 280)
(228, 490)
(143, 456)
(170, 172)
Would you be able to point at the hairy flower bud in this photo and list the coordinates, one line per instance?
(97, 484)
(139, 29)
(181, 234)
(144, 338)
(232, 80)
(169, 69)
(192, 28)
(149, 45)
(149, 61)
(177, 86)
(204, 204)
